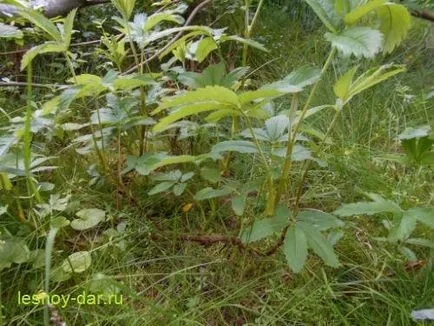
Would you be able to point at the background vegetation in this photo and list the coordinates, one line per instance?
(181, 256)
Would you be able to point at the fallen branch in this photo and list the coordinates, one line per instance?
(424, 14)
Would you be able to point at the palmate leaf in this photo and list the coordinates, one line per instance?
(378, 205)
(320, 220)
(295, 248)
(357, 41)
(264, 228)
(125, 7)
(395, 22)
(239, 146)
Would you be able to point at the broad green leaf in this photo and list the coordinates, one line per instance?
(357, 41)
(9, 31)
(297, 80)
(204, 48)
(325, 11)
(179, 189)
(343, 85)
(406, 226)
(46, 47)
(210, 193)
(408, 253)
(157, 18)
(295, 248)
(259, 94)
(210, 174)
(161, 187)
(423, 215)
(88, 218)
(264, 228)
(78, 262)
(239, 204)
(395, 22)
(170, 160)
(59, 222)
(38, 19)
(276, 127)
(321, 220)
(319, 245)
(240, 146)
(361, 11)
(186, 111)
(215, 94)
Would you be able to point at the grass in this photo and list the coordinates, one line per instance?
(171, 282)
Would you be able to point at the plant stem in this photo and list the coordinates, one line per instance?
(27, 146)
(48, 253)
(292, 141)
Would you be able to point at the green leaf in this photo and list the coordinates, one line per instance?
(46, 47)
(321, 220)
(186, 111)
(239, 204)
(264, 228)
(368, 208)
(423, 215)
(9, 31)
(161, 187)
(324, 9)
(361, 11)
(78, 262)
(210, 193)
(125, 7)
(343, 85)
(38, 19)
(395, 23)
(319, 245)
(297, 80)
(295, 248)
(241, 40)
(67, 29)
(179, 189)
(157, 18)
(406, 226)
(88, 218)
(210, 174)
(240, 146)
(204, 48)
(420, 242)
(357, 41)
(59, 222)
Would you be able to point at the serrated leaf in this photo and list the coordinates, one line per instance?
(295, 248)
(47, 47)
(78, 262)
(239, 204)
(395, 23)
(88, 218)
(361, 11)
(38, 19)
(276, 127)
(358, 41)
(204, 48)
(319, 245)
